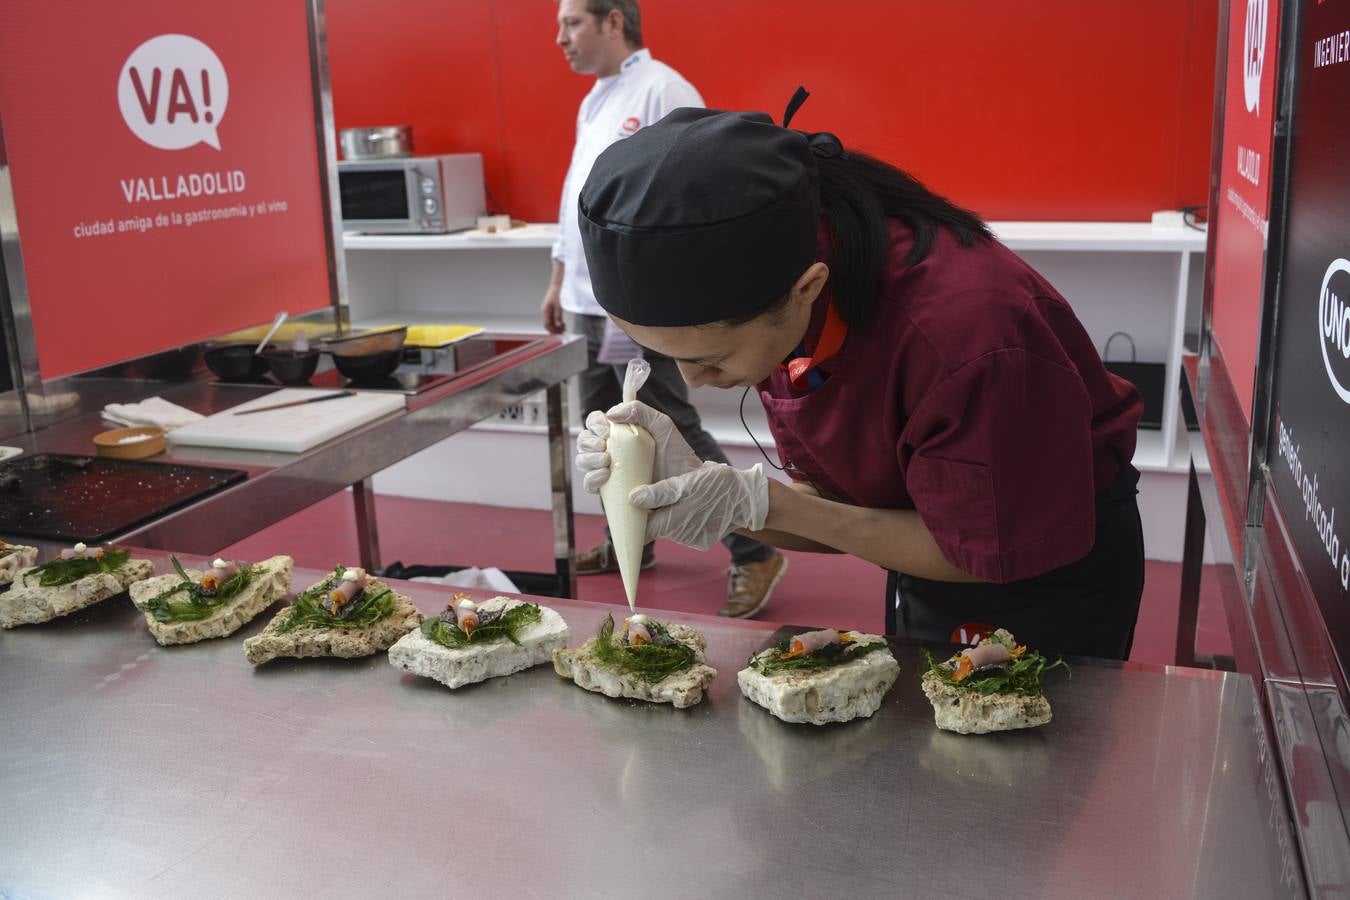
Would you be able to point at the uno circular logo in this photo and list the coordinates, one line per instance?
(1333, 325)
(631, 124)
(1254, 53)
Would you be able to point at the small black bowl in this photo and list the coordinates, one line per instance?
(236, 362)
(369, 367)
(169, 364)
(290, 366)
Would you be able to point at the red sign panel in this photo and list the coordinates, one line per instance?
(1244, 189)
(166, 171)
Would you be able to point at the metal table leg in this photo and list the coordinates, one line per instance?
(367, 533)
(560, 478)
(1192, 568)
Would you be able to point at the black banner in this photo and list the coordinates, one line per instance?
(1310, 458)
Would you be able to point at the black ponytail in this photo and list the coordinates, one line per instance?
(857, 195)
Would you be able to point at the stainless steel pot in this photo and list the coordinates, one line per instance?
(379, 142)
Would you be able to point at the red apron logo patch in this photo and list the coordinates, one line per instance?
(972, 632)
(631, 124)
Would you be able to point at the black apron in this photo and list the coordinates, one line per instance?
(1086, 608)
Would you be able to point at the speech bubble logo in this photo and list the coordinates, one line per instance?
(1254, 53)
(173, 92)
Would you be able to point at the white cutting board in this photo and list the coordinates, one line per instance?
(291, 430)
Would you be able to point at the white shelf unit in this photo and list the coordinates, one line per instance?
(1058, 236)
(1179, 250)
(1099, 237)
(535, 237)
(1143, 290)
(1139, 278)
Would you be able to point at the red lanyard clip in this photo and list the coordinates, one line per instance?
(827, 345)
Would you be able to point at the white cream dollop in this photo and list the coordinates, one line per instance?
(219, 564)
(351, 575)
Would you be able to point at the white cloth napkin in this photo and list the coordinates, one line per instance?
(155, 411)
(488, 579)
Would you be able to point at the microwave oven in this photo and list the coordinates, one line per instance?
(411, 195)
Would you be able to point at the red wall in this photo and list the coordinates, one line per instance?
(1038, 109)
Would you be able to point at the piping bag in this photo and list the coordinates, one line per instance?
(632, 453)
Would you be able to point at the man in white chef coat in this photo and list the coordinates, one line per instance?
(603, 38)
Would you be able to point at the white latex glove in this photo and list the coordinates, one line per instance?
(700, 507)
(673, 455)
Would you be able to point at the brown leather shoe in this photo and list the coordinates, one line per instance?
(599, 560)
(750, 586)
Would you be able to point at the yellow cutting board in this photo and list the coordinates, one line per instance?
(288, 332)
(433, 337)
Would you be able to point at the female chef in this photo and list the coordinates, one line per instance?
(939, 408)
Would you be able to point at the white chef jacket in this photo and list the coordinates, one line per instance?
(642, 92)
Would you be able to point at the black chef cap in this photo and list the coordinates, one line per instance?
(701, 217)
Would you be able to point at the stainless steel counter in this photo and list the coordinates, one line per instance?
(281, 484)
(131, 770)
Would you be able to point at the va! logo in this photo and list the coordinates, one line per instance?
(173, 92)
(1333, 325)
(1254, 53)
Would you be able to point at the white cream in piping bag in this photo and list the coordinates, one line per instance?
(632, 453)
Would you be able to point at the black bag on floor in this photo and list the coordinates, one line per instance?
(1149, 378)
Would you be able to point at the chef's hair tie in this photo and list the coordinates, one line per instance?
(798, 98)
(823, 144)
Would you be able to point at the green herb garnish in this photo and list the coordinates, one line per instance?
(365, 609)
(58, 572)
(199, 604)
(652, 662)
(1021, 676)
(505, 626)
(771, 662)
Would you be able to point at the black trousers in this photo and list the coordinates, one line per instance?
(1087, 608)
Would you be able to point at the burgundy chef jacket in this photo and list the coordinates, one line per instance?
(976, 397)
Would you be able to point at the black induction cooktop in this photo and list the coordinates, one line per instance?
(89, 498)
